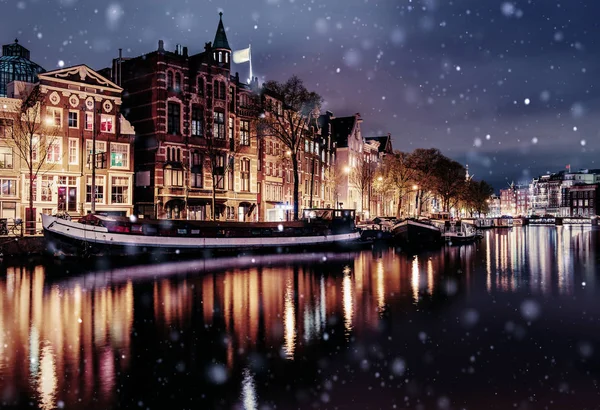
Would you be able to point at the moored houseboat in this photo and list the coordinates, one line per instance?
(459, 232)
(102, 235)
(417, 233)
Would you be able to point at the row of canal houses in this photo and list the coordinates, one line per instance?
(151, 117)
(565, 193)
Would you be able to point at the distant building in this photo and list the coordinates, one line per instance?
(508, 201)
(15, 65)
(583, 200)
(348, 135)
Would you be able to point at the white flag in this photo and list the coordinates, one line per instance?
(241, 56)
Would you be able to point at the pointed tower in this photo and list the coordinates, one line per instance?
(220, 47)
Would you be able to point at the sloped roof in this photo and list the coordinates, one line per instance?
(341, 128)
(220, 36)
(383, 141)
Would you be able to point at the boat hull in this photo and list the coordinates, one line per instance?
(72, 238)
(415, 235)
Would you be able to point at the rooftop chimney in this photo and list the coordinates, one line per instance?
(161, 45)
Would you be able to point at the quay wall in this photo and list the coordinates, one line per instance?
(18, 246)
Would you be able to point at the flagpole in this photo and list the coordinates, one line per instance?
(250, 61)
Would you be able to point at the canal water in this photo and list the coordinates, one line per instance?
(509, 322)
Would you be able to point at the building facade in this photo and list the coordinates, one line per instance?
(195, 133)
(583, 200)
(79, 106)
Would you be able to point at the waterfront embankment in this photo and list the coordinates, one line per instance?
(19, 246)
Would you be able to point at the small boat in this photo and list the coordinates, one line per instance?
(377, 230)
(417, 233)
(459, 233)
(484, 223)
(97, 234)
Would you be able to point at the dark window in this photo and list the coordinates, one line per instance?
(197, 170)
(177, 82)
(173, 118)
(219, 172)
(222, 90)
(169, 79)
(73, 119)
(216, 90)
(200, 86)
(197, 123)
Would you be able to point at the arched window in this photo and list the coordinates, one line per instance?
(200, 86)
(226, 57)
(177, 82)
(169, 79)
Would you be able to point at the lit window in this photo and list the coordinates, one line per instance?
(119, 190)
(245, 133)
(6, 158)
(54, 150)
(73, 151)
(89, 121)
(55, 116)
(245, 174)
(197, 122)
(107, 123)
(99, 197)
(9, 187)
(219, 125)
(119, 155)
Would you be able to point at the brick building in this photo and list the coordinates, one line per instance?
(583, 200)
(78, 104)
(194, 129)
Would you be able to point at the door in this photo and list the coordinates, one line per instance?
(72, 199)
(62, 199)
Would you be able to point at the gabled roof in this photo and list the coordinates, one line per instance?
(341, 128)
(221, 37)
(80, 74)
(385, 143)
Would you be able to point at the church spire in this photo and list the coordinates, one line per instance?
(221, 38)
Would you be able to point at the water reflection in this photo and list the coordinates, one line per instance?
(68, 337)
(76, 335)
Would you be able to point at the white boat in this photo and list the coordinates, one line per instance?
(460, 233)
(101, 235)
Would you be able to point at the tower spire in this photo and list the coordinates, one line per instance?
(220, 37)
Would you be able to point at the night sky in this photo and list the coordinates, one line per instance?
(505, 86)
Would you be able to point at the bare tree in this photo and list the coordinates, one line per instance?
(425, 163)
(34, 138)
(287, 112)
(361, 177)
(398, 175)
(219, 154)
(449, 182)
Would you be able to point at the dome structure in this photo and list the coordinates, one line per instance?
(15, 65)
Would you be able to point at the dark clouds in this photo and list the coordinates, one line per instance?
(431, 72)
